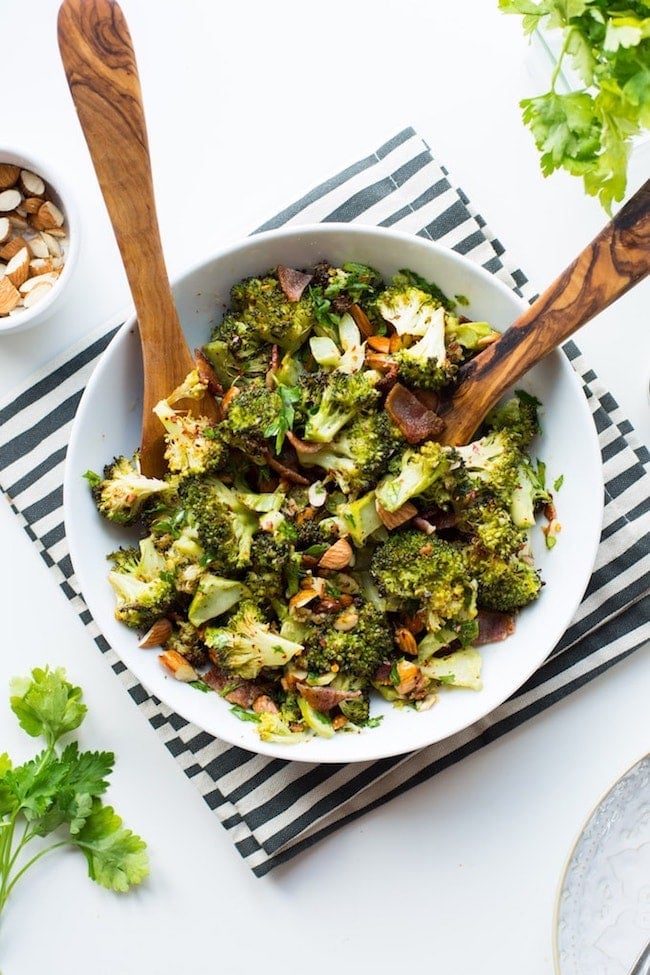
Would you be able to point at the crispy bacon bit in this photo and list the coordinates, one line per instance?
(293, 282)
(324, 698)
(416, 422)
(361, 320)
(494, 626)
(236, 690)
(429, 398)
(388, 380)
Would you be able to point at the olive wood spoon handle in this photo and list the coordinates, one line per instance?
(100, 66)
(616, 260)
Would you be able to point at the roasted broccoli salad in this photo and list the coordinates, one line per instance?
(317, 546)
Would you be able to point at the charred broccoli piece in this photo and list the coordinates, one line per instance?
(504, 584)
(344, 396)
(225, 527)
(247, 644)
(142, 584)
(236, 353)
(427, 363)
(414, 570)
(122, 494)
(519, 416)
(192, 443)
(358, 456)
(357, 651)
(250, 419)
(416, 471)
(263, 307)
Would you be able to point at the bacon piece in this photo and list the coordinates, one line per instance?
(236, 690)
(494, 626)
(324, 698)
(293, 282)
(416, 422)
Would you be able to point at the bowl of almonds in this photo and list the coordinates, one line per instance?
(38, 241)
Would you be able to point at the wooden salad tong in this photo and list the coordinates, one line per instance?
(616, 259)
(100, 65)
(101, 69)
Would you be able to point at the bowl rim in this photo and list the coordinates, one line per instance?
(63, 196)
(316, 750)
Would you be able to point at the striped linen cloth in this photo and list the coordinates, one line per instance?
(273, 808)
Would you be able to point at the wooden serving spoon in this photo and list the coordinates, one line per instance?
(101, 69)
(616, 260)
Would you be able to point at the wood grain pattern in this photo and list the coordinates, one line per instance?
(100, 66)
(616, 260)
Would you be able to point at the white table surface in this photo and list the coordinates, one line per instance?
(249, 105)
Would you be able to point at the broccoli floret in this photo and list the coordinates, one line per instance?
(430, 571)
(504, 584)
(236, 353)
(274, 727)
(355, 709)
(360, 453)
(143, 586)
(247, 644)
(412, 311)
(345, 395)
(261, 305)
(185, 638)
(250, 418)
(123, 494)
(427, 364)
(519, 416)
(193, 444)
(272, 560)
(483, 517)
(496, 463)
(225, 527)
(470, 336)
(357, 651)
(414, 473)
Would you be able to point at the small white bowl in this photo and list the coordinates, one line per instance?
(22, 318)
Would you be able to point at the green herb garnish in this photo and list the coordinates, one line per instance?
(57, 793)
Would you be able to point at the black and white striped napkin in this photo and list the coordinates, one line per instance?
(272, 808)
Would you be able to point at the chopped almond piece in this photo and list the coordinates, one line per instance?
(5, 229)
(11, 248)
(47, 217)
(31, 184)
(393, 519)
(10, 199)
(18, 267)
(177, 665)
(9, 175)
(9, 296)
(36, 294)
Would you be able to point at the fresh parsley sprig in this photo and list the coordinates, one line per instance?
(590, 132)
(58, 792)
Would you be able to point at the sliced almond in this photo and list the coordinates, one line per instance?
(176, 664)
(51, 242)
(379, 343)
(157, 635)
(37, 294)
(36, 280)
(393, 519)
(9, 175)
(31, 204)
(405, 641)
(9, 296)
(31, 184)
(47, 217)
(8, 250)
(38, 248)
(10, 199)
(40, 265)
(337, 556)
(5, 229)
(18, 267)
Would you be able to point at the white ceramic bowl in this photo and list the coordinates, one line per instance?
(61, 195)
(108, 424)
